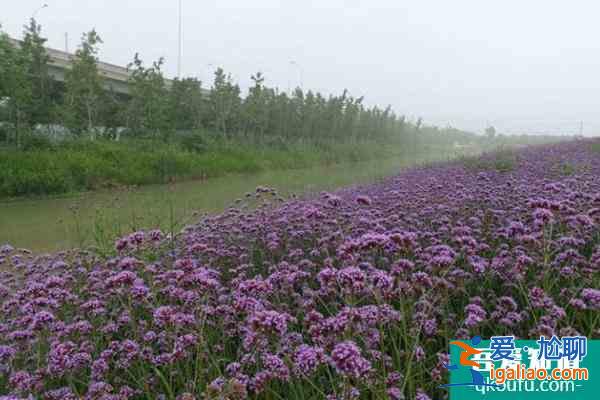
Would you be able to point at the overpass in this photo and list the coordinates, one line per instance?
(115, 77)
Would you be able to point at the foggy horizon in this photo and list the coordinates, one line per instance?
(523, 68)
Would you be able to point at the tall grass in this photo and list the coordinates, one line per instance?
(82, 165)
(501, 160)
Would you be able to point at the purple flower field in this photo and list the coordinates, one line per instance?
(347, 295)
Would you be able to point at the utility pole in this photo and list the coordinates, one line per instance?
(66, 42)
(581, 128)
(180, 40)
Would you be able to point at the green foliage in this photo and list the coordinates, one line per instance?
(225, 103)
(84, 91)
(503, 160)
(16, 92)
(194, 142)
(41, 107)
(147, 110)
(566, 169)
(80, 165)
(595, 146)
(31, 141)
(159, 108)
(256, 112)
(111, 112)
(186, 104)
(265, 128)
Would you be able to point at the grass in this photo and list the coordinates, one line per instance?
(83, 165)
(595, 146)
(503, 160)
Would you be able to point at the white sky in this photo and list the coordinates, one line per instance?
(523, 66)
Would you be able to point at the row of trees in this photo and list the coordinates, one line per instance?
(158, 107)
(30, 97)
(26, 89)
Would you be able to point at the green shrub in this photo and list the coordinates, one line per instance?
(35, 141)
(503, 160)
(80, 164)
(194, 142)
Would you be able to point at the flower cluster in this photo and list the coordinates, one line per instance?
(343, 295)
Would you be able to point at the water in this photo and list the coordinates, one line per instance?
(97, 218)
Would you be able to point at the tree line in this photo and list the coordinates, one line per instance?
(158, 108)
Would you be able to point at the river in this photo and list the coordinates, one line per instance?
(97, 218)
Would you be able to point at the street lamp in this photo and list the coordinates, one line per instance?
(38, 10)
(180, 40)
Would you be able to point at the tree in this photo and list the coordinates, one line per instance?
(225, 102)
(111, 115)
(419, 123)
(490, 132)
(40, 108)
(255, 106)
(15, 88)
(7, 62)
(148, 106)
(28, 96)
(186, 106)
(84, 90)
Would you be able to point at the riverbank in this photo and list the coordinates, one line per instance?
(97, 218)
(84, 165)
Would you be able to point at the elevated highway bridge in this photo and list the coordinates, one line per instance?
(115, 77)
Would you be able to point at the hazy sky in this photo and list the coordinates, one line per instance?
(523, 66)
